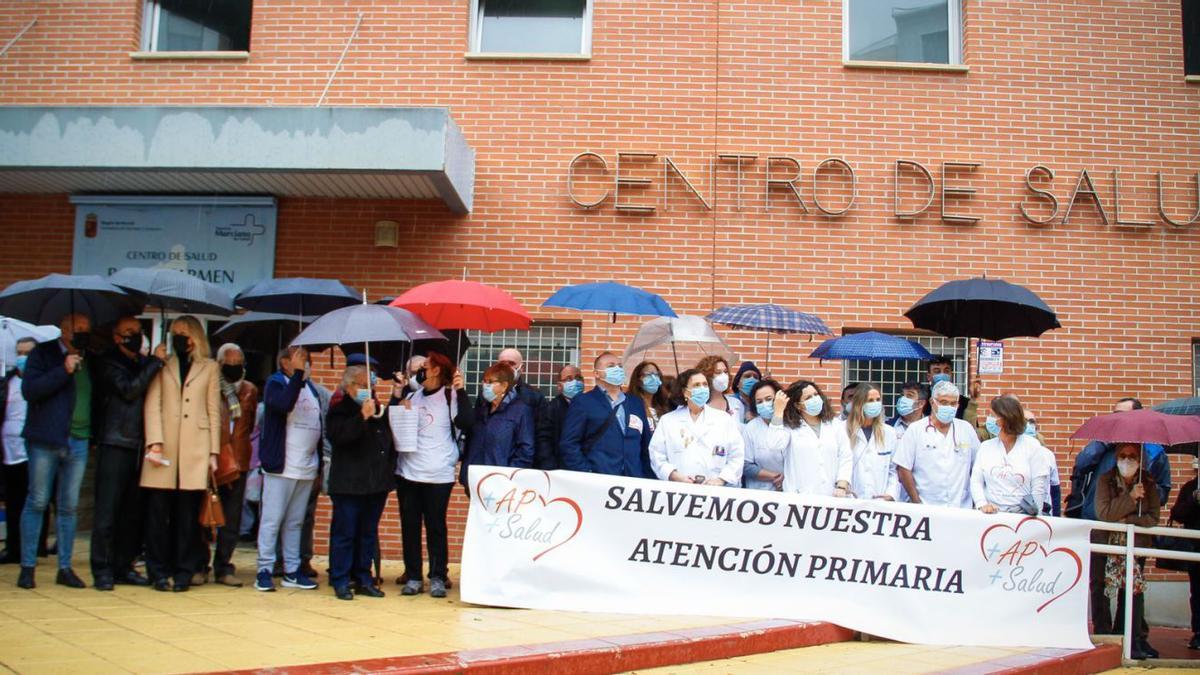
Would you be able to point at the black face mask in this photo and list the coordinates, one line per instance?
(132, 343)
(233, 373)
(179, 345)
(421, 376)
(80, 341)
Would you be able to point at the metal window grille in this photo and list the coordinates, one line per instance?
(545, 347)
(890, 376)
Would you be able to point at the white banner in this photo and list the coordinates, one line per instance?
(584, 542)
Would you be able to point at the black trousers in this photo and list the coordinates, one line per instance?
(354, 538)
(1102, 616)
(1194, 589)
(120, 505)
(227, 537)
(16, 489)
(424, 503)
(174, 545)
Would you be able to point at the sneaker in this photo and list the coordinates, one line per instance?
(412, 587)
(298, 579)
(264, 582)
(437, 588)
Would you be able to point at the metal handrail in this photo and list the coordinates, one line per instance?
(1130, 552)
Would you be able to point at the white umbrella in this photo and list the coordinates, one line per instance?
(12, 330)
(675, 341)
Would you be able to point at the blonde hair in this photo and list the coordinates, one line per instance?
(195, 331)
(856, 419)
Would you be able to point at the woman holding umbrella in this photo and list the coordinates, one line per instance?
(1127, 494)
(183, 437)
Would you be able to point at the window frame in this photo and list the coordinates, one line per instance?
(151, 16)
(955, 28)
(955, 348)
(475, 37)
(1195, 366)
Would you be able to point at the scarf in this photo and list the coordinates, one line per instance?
(229, 391)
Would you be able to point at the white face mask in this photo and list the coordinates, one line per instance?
(413, 385)
(721, 381)
(1127, 467)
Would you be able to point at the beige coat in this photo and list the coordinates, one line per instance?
(187, 421)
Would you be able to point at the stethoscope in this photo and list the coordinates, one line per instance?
(953, 432)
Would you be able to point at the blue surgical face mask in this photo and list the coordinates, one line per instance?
(699, 395)
(904, 406)
(572, 388)
(940, 377)
(489, 394)
(992, 426)
(21, 360)
(1031, 429)
(814, 405)
(765, 410)
(747, 384)
(614, 375)
(651, 383)
(872, 409)
(362, 395)
(945, 413)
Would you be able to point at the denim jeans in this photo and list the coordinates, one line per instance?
(45, 464)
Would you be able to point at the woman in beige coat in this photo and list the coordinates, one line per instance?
(183, 429)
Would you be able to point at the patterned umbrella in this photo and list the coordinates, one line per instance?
(769, 318)
(1180, 406)
(870, 346)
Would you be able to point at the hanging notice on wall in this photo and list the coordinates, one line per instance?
(991, 358)
(229, 241)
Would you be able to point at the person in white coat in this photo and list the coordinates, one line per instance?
(934, 457)
(1010, 472)
(697, 443)
(872, 444)
(764, 459)
(818, 459)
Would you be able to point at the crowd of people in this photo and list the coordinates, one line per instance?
(170, 425)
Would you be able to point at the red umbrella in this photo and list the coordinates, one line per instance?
(455, 304)
(1141, 426)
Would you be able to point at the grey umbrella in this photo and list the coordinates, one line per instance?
(174, 291)
(365, 323)
(48, 299)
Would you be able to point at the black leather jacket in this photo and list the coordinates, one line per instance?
(122, 388)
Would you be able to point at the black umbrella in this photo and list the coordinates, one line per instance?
(263, 332)
(991, 309)
(48, 299)
(298, 296)
(174, 291)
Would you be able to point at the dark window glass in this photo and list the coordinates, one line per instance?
(203, 25)
(1191, 37)
(532, 26)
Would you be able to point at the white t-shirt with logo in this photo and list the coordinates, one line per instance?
(437, 453)
(1005, 478)
(303, 437)
(14, 423)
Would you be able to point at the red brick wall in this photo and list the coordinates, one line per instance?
(1074, 85)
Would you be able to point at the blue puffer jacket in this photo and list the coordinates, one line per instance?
(500, 438)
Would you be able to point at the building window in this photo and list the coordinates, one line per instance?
(531, 27)
(902, 31)
(890, 376)
(1191, 36)
(546, 347)
(196, 26)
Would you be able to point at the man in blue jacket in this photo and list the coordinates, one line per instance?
(290, 457)
(58, 389)
(1093, 461)
(605, 430)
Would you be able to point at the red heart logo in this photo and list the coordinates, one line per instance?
(546, 504)
(1039, 527)
(1005, 472)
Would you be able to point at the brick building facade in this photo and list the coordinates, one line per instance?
(1078, 86)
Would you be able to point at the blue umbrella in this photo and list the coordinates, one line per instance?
(297, 296)
(769, 318)
(610, 297)
(870, 346)
(173, 290)
(48, 299)
(1180, 406)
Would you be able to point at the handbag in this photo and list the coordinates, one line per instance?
(227, 466)
(1170, 543)
(212, 515)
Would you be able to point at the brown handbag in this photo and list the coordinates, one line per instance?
(212, 515)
